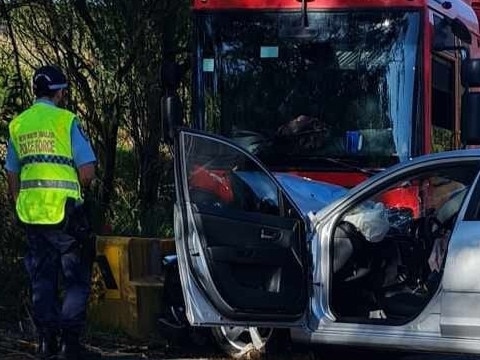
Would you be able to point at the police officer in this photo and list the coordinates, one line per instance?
(49, 162)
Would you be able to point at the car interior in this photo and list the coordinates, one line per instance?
(391, 277)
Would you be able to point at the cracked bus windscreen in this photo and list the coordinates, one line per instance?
(343, 89)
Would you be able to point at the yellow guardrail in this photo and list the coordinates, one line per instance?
(128, 284)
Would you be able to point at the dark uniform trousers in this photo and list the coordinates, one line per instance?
(55, 256)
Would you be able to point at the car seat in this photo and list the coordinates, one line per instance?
(355, 272)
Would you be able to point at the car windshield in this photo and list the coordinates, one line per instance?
(344, 88)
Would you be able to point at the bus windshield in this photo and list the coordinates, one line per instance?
(345, 87)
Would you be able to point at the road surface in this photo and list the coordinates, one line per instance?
(14, 347)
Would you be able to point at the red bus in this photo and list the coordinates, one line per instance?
(333, 90)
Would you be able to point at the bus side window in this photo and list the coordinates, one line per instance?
(443, 104)
(445, 87)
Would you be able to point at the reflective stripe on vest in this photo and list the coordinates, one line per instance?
(41, 136)
(49, 184)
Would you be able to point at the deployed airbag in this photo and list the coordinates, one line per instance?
(371, 220)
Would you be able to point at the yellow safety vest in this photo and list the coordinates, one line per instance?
(41, 136)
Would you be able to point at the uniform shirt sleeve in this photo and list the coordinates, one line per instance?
(12, 163)
(81, 147)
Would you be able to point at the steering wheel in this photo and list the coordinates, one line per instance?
(428, 228)
(435, 226)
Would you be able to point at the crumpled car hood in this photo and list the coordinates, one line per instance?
(309, 195)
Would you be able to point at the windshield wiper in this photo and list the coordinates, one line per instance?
(281, 159)
(348, 166)
(343, 164)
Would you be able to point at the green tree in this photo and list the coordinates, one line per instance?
(112, 52)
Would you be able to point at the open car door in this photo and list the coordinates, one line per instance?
(241, 241)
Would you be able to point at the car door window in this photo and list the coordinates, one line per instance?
(220, 176)
(395, 241)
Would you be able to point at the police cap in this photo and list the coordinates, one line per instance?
(49, 78)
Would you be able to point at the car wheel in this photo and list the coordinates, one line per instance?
(238, 341)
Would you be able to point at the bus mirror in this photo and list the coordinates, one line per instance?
(471, 118)
(171, 116)
(471, 73)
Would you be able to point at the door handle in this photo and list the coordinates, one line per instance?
(269, 234)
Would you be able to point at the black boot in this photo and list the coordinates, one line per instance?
(47, 345)
(72, 349)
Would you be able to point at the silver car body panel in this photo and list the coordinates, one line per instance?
(460, 307)
(423, 336)
(191, 291)
(200, 312)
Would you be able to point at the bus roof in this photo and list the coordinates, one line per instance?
(459, 9)
(297, 5)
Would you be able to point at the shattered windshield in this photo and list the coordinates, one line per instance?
(345, 88)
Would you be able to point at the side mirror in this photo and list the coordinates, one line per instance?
(471, 118)
(171, 109)
(171, 116)
(471, 73)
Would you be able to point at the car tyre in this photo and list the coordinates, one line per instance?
(239, 342)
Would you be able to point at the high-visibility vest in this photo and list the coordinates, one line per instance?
(41, 136)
